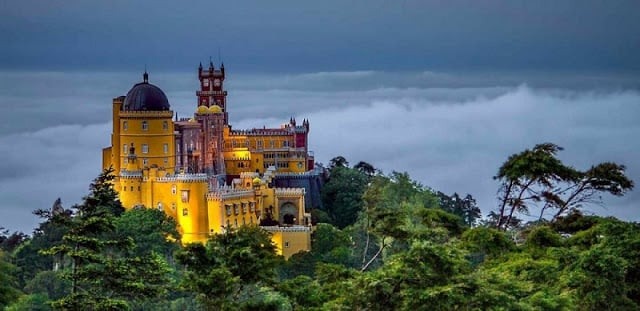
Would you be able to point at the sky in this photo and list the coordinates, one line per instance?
(445, 90)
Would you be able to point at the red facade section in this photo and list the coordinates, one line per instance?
(301, 140)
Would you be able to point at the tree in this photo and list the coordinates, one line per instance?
(151, 229)
(602, 178)
(466, 207)
(338, 161)
(365, 168)
(342, 195)
(102, 276)
(8, 285)
(9, 242)
(397, 209)
(220, 271)
(537, 175)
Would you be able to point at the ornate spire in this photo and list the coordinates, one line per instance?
(145, 76)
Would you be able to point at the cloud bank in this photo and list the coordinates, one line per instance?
(450, 132)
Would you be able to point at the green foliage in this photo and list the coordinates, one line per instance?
(543, 236)
(102, 275)
(341, 195)
(9, 242)
(303, 292)
(483, 242)
(398, 246)
(466, 208)
(33, 302)
(219, 271)
(152, 231)
(599, 281)
(8, 284)
(50, 284)
(537, 175)
(264, 299)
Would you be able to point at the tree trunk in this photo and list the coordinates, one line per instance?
(374, 257)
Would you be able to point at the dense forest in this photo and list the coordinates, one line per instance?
(381, 242)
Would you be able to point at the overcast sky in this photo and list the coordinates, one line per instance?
(328, 35)
(445, 90)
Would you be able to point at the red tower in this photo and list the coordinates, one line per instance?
(212, 88)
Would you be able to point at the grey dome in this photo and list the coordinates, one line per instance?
(145, 96)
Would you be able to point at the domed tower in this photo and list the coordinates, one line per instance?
(142, 120)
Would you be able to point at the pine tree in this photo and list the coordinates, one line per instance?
(102, 275)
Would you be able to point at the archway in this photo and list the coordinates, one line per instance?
(288, 213)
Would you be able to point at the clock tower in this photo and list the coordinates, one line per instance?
(212, 88)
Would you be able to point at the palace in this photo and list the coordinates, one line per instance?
(207, 175)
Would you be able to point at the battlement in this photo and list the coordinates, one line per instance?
(286, 229)
(296, 175)
(130, 174)
(229, 193)
(261, 132)
(240, 159)
(290, 191)
(184, 178)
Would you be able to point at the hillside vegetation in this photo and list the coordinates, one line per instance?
(381, 242)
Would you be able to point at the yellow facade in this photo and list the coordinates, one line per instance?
(145, 148)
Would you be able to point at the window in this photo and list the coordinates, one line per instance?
(125, 125)
(236, 209)
(252, 206)
(243, 221)
(285, 143)
(165, 148)
(166, 161)
(185, 196)
(286, 244)
(185, 212)
(145, 148)
(244, 208)
(205, 82)
(259, 144)
(165, 125)
(235, 221)
(173, 206)
(145, 161)
(131, 188)
(271, 143)
(125, 149)
(174, 189)
(145, 125)
(228, 207)
(138, 188)
(160, 207)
